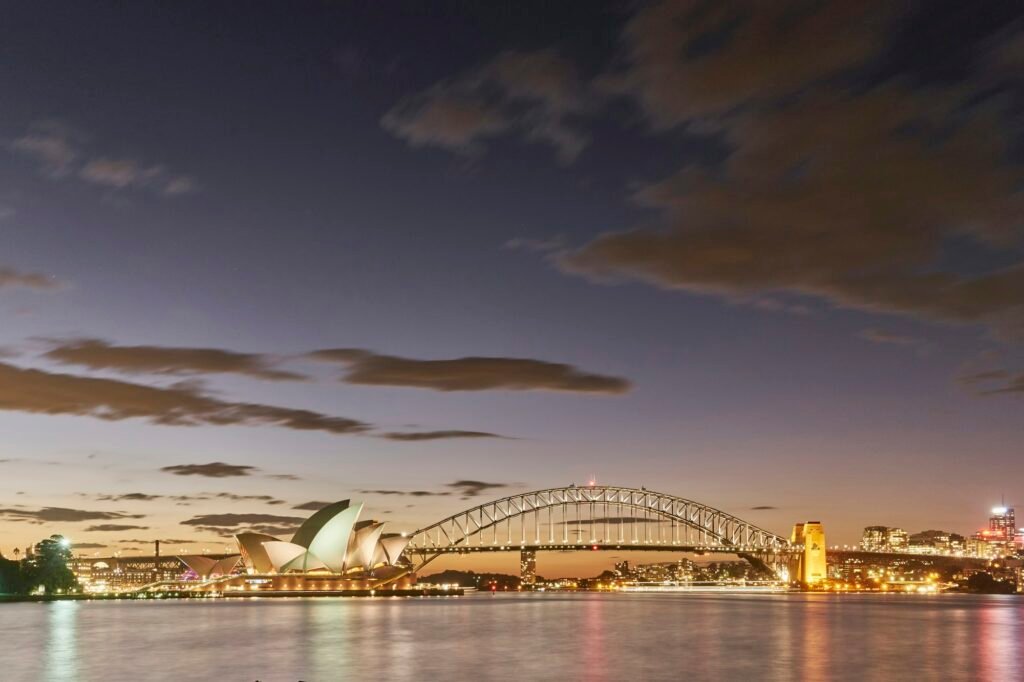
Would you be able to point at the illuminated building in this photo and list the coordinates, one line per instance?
(811, 567)
(333, 540)
(1003, 525)
(1000, 538)
(332, 548)
(119, 573)
(528, 567)
(936, 542)
(884, 539)
(874, 538)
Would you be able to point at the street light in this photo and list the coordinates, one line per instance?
(65, 543)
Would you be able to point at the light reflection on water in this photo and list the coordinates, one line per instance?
(597, 637)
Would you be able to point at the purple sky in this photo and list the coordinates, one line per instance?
(756, 257)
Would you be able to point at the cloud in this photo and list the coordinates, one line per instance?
(89, 545)
(686, 61)
(114, 527)
(246, 498)
(312, 506)
(848, 198)
(414, 436)
(284, 477)
(211, 470)
(443, 118)
(99, 354)
(762, 507)
(129, 173)
(11, 278)
(40, 392)
(994, 382)
(468, 488)
(881, 336)
(232, 524)
(468, 373)
(411, 493)
(52, 145)
(60, 152)
(191, 469)
(531, 93)
(131, 497)
(62, 515)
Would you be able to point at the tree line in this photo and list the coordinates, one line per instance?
(49, 568)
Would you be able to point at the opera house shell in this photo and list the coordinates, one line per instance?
(333, 540)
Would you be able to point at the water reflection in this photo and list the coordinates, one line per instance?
(62, 641)
(601, 637)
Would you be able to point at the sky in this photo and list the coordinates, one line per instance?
(765, 256)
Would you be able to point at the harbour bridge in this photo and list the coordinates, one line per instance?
(597, 517)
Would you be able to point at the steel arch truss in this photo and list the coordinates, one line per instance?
(602, 516)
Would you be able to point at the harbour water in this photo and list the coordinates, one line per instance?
(592, 636)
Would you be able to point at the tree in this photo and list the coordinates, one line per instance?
(984, 583)
(12, 578)
(50, 567)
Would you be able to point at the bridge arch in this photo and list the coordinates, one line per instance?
(601, 516)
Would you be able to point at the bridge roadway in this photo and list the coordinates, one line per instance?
(585, 547)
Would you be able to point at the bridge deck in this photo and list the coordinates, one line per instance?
(588, 547)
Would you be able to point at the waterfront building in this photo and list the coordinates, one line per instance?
(121, 573)
(811, 566)
(527, 567)
(1000, 538)
(874, 538)
(884, 539)
(333, 547)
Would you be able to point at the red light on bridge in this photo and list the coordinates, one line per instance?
(593, 548)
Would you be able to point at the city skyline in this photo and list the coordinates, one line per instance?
(244, 276)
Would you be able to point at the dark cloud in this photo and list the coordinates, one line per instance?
(284, 477)
(762, 507)
(62, 515)
(849, 198)
(234, 497)
(115, 527)
(312, 506)
(994, 382)
(468, 488)
(211, 470)
(99, 354)
(687, 61)
(411, 493)
(246, 498)
(40, 392)
(881, 336)
(36, 391)
(534, 94)
(468, 373)
(437, 435)
(88, 545)
(232, 524)
(850, 195)
(10, 278)
(234, 520)
(131, 497)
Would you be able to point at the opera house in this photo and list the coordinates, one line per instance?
(332, 551)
